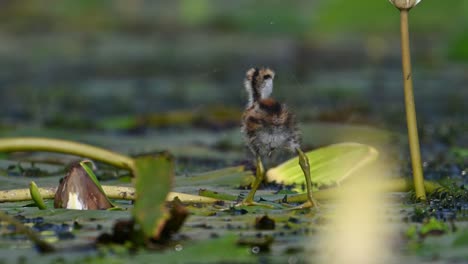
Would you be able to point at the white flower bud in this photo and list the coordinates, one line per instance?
(404, 4)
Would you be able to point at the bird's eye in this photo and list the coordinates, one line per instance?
(267, 76)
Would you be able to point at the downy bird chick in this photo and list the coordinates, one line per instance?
(267, 125)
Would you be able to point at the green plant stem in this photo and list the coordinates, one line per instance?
(33, 236)
(113, 192)
(410, 108)
(16, 195)
(67, 147)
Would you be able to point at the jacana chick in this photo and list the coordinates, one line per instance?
(267, 125)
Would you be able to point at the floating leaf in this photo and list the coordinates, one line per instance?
(433, 227)
(225, 249)
(36, 196)
(153, 181)
(231, 176)
(217, 195)
(328, 165)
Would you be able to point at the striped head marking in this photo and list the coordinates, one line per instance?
(259, 83)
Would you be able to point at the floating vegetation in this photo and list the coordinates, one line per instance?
(447, 203)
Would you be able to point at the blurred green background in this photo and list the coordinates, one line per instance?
(107, 65)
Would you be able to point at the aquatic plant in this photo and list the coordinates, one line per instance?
(405, 6)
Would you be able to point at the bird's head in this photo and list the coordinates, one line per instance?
(259, 83)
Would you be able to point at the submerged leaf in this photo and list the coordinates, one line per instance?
(328, 165)
(153, 181)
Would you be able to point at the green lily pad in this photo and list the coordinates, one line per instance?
(329, 165)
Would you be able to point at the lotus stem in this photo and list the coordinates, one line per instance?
(112, 192)
(418, 177)
(66, 147)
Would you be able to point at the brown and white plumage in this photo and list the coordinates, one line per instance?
(267, 125)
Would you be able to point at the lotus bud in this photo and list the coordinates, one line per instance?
(404, 4)
(78, 191)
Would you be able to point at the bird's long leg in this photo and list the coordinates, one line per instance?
(305, 166)
(258, 180)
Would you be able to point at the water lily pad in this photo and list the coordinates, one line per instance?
(329, 165)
